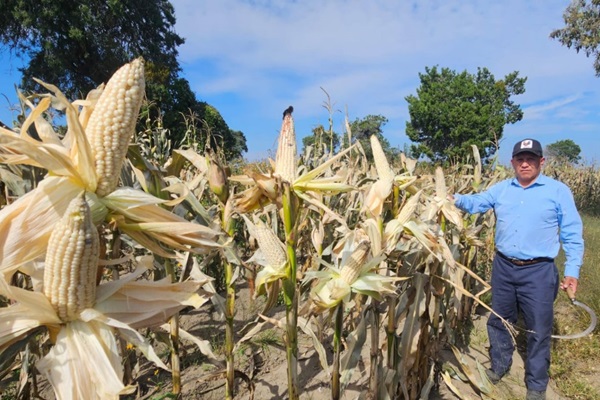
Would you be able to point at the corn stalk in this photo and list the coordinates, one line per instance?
(337, 345)
(290, 294)
(229, 314)
(174, 337)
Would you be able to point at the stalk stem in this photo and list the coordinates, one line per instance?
(374, 370)
(229, 314)
(229, 332)
(174, 323)
(175, 361)
(290, 293)
(391, 334)
(337, 347)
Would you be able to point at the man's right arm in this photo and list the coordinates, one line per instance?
(476, 203)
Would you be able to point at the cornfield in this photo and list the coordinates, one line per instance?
(584, 182)
(107, 235)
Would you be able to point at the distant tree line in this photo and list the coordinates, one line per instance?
(78, 45)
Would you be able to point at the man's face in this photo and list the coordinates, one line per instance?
(527, 167)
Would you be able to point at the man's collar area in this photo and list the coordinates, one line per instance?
(540, 180)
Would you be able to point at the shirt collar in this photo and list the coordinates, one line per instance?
(540, 181)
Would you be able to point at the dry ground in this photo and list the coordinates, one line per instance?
(263, 373)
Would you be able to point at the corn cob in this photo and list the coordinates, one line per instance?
(270, 246)
(381, 163)
(112, 123)
(285, 159)
(353, 266)
(72, 261)
(217, 178)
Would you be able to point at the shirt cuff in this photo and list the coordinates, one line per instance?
(572, 272)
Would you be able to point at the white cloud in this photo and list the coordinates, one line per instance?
(542, 110)
(254, 42)
(368, 54)
(252, 58)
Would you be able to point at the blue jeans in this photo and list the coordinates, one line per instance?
(530, 290)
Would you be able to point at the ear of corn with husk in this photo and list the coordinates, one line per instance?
(108, 119)
(112, 123)
(72, 261)
(55, 219)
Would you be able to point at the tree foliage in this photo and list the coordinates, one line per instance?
(322, 141)
(582, 29)
(217, 133)
(363, 128)
(79, 45)
(566, 150)
(453, 111)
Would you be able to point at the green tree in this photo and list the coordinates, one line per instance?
(79, 45)
(581, 31)
(362, 129)
(453, 111)
(322, 141)
(215, 133)
(566, 150)
(183, 114)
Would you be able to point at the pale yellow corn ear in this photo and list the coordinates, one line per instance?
(113, 121)
(381, 163)
(270, 245)
(217, 178)
(285, 159)
(72, 261)
(353, 266)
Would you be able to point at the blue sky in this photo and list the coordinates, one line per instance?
(252, 58)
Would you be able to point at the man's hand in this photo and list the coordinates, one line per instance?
(569, 284)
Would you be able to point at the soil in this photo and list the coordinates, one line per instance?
(261, 371)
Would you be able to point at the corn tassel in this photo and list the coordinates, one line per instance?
(112, 123)
(72, 261)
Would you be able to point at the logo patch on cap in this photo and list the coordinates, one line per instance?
(527, 144)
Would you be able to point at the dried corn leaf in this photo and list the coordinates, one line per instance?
(453, 388)
(355, 342)
(413, 328)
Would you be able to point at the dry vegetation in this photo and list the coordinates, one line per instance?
(356, 272)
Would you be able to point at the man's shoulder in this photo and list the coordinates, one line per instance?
(554, 185)
(505, 182)
(546, 180)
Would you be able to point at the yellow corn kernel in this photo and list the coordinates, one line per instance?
(72, 261)
(351, 269)
(113, 121)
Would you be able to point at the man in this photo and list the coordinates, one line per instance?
(534, 215)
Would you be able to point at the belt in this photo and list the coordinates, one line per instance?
(522, 263)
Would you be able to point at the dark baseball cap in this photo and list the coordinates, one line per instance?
(528, 146)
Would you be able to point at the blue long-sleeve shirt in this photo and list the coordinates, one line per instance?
(532, 222)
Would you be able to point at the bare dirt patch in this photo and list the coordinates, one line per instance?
(262, 370)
